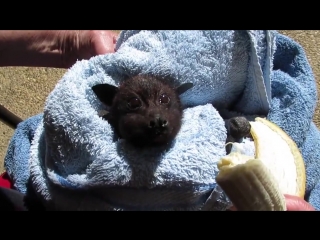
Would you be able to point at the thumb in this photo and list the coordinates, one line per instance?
(295, 203)
(108, 40)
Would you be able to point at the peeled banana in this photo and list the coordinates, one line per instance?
(258, 183)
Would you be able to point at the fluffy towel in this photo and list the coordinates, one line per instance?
(74, 163)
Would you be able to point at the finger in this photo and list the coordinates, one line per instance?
(232, 208)
(115, 38)
(107, 41)
(295, 203)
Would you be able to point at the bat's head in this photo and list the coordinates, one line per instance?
(144, 110)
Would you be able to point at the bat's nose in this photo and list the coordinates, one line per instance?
(158, 122)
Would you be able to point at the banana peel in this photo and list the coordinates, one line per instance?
(258, 183)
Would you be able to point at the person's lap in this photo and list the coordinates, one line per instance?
(13, 200)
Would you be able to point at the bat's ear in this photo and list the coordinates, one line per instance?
(105, 93)
(183, 88)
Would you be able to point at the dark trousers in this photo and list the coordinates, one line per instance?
(12, 200)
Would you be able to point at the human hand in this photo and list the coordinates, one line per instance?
(53, 48)
(293, 203)
(84, 44)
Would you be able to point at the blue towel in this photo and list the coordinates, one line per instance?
(74, 163)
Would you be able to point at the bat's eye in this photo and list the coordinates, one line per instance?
(164, 99)
(134, 103)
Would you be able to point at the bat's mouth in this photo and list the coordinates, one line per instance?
(158, 136)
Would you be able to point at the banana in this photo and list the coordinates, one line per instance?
(258, 183)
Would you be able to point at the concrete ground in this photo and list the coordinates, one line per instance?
(24, 90)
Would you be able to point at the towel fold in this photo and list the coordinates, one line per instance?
(74, 163)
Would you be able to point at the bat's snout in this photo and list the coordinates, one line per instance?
(158, 124)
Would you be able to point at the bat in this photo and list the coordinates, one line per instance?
(145, 110)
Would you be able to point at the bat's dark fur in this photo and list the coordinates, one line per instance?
(237, 129)
(144, 110)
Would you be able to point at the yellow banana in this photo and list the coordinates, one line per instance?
(258, 183)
